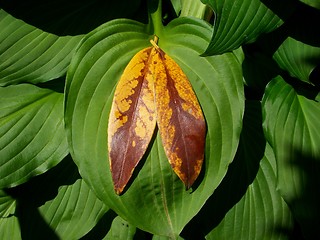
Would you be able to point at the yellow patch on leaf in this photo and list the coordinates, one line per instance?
(153, 89)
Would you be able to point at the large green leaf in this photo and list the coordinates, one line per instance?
(242, 21)
(291, 124)
(57, 204)
(9, 225)
(28, 54)
(261, 213)
(32, 135)
(246, 205)
(74, 211)
(155, 200)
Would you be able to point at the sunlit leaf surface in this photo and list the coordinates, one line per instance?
(28, 54)
(246, 205)
(155, 200)
(32, 135)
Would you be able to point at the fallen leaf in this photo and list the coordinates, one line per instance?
(132, 119)
(153, 89)
(179, 117)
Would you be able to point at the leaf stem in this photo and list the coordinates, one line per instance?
(155, 11)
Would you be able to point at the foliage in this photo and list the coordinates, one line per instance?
(254, 66)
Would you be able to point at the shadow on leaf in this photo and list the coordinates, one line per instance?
(241, 173)
(302, 194)
(33, 194)
(71, 17)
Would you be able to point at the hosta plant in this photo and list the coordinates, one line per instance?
(150, 119)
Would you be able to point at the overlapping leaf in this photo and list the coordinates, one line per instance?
(32, 135)
(156, 200)
(298, 58)
(57, 204)
(261, 212)
(74, 211)
(291, 126)
(28, 54)
(7, 205)
(132, 119)
(153, 89)
(242, 21)
(246, 204)
(180, 120)
(9, 224)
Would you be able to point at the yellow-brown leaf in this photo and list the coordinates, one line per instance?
(132, 119)
(179, 118)
(153, 89)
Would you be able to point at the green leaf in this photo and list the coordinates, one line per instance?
(57, 204)
(242, 21)
(28, 54)
(9, 224)
(120, 229)
(291, 125)
(298, 58)
(74, 211)
(261, 213)
(7, 205)
(193, 8)
(32, 135)
(246, 205)
(155, 200)
(177, 5)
